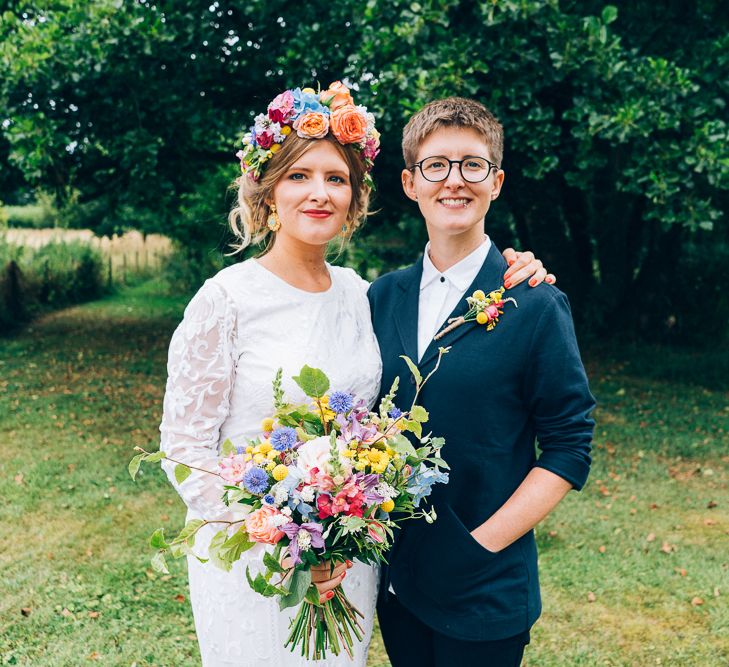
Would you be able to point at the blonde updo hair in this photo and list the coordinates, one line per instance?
(249, 219)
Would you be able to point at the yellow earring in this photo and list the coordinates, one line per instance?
(345, 229)
(274, 223)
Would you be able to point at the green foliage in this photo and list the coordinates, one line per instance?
(313, 382)
(614, 118)
(54, 275)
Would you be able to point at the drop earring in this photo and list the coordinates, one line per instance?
(345, 229)
(274, 223)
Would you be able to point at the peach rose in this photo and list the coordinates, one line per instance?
(312, 125)
(260, 527)
(348, 125)
(336, 96)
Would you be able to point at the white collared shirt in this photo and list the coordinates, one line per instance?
(441, 292)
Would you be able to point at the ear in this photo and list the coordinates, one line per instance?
(408, 184)
(498, 183)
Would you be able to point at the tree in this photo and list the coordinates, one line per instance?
(614, 119)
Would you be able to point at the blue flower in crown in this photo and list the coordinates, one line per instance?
(307, 102)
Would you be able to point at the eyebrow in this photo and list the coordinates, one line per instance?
(309, 170)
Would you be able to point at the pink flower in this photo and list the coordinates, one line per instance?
(233, 468)
(265, 139)
(260, 526)
(371, 149)
(376, 531)
(492, 312)
(281, 108)
(320, 480)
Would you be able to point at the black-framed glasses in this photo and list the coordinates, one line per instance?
(438, 168)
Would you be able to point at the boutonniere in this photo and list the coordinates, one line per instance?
(482, 308)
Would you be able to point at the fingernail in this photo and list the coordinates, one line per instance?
(344, 574)
(507, 284)
(532, 282)
(349, 563)
(511, 261)
(329, 595)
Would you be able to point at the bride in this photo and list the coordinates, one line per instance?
(305, 181)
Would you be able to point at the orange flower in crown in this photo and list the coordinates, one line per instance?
(311, 115)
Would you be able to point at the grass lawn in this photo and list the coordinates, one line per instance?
(635, 569)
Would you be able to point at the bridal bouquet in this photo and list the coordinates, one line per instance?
(324, 482)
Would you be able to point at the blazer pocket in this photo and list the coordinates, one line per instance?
(445, 560)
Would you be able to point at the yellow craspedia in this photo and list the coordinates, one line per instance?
(388, 506)
(482, 318)
(286, 130)
(308, 90)
(275, 148)
(267, 424)
(478, 294)
(280, 472)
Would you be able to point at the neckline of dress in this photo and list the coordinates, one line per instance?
(293, 288)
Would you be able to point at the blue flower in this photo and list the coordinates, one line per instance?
(256, 480)
(395, 413)
(421, 482)
(306, 102)
(269, 499)
(341, 402)
(283, 438)
(240, 450)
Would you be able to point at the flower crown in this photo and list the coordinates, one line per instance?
(312, 115)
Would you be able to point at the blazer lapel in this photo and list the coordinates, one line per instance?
(406, 312)
(489, 277)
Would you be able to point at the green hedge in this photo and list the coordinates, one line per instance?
(53, 276)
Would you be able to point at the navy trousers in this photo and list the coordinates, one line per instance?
(411, 643)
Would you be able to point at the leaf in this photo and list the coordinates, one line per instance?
(187, 533)
(300, 582)
(402, 446)
(413, 369)
(182, 472)
(272, 564)
(419, 414)
(134, 465)
(228, 448)
(214, 551)
(159, 564)
(235, 545)
(157, 539)
(413, 426)
(609, 14)
(154, 457)
(261, 586)
(312, 595)
(313, 382)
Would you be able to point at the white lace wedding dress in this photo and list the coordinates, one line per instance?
(243, 325)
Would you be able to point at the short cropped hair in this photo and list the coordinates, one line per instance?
(452, 112)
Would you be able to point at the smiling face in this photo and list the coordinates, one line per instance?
(453, 207)
(313, 196)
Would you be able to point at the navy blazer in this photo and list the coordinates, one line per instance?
(495, 393)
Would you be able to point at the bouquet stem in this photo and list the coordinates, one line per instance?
(326, 627)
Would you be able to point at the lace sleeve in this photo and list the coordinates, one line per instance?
(200, 368)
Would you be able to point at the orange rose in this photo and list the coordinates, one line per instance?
(336, 96)
(260, 527)
(348, 125)
(312, 125)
